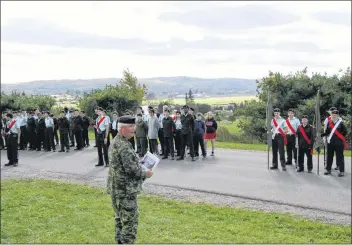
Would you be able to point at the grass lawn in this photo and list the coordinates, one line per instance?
(38, 211)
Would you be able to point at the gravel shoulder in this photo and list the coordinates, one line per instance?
(182, 194)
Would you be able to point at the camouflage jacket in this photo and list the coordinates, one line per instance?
(126, 175)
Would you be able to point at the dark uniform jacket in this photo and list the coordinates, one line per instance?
(169, 127)
(64, 125)
(85, 122)
(31, 125)
(187, 123)
(78, 123)
(56, 125)
(335, 140)
(41, 124)
(302, 143)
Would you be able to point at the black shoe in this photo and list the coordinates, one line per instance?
(284, 169)
(15, 164)
(212, 154)
(299, 170)
(164, 157)
(336, 168)
(180, 158)
(273, 168)
(172, 158)
(99, 164)
(8, 164)
(341, 174)
(61, 151)
(193, 159)
(77, 149)
(327, 172)
(54, 150)
(68, 150)
(309, 170)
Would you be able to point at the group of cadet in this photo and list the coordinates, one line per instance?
(36, 131)
(298, 137)
(175, 133)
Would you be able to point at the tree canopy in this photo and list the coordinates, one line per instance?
(297, 91)
(127, 94)
(21, 101)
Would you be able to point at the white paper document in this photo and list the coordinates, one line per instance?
(150, 161)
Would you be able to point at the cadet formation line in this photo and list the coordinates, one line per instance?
(36, 131)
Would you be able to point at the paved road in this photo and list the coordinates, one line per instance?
(238, 173)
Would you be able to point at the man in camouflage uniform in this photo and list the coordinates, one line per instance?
(125, 179)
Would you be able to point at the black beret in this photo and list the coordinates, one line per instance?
(9, 115)
(335, 112)
(139, 115)
(185, 107)
(127, 119)
(332, 109)
(150, 107)
(291, 110)
(276, 110)
(167, 110)
(305, 116)
(178, 112)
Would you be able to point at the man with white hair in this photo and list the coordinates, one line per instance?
(125, 179)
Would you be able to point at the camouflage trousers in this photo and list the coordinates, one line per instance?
(126, 218)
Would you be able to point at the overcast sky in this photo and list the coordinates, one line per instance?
(57, 40)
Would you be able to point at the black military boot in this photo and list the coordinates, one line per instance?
(273, 168)
(180, 158)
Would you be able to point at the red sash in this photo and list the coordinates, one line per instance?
(338, 134)
(290, 126)
(305, 137)
(280, 130)
(99, 122)
(11, 125)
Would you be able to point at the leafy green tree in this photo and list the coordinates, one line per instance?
(190, 97)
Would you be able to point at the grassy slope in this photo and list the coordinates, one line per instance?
(38, 211)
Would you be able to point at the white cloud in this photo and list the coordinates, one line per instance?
(139, 20)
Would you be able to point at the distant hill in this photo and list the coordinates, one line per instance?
(157, 85)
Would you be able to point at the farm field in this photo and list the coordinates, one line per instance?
(209, 100)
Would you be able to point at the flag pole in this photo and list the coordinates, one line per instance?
(318, 162)
(268, 155)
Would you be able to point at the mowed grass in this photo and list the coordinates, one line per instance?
(208, 100)
(41, 211)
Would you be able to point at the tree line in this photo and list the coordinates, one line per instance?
(298, 91)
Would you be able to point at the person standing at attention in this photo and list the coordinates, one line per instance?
(125, 179)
